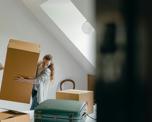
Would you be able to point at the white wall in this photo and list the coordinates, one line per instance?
(16, 21)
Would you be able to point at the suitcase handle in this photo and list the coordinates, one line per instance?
(67, 80)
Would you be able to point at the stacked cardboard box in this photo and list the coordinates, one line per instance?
(21, 60)
(80, 95)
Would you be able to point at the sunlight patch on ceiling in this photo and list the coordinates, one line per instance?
(74, 25)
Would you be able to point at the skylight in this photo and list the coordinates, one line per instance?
(74, 25)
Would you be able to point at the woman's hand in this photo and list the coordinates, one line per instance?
(20, 79)
(25, 80)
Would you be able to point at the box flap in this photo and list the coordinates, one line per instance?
(4, 116)
(9, 114)
(23, 45)
(16, 106)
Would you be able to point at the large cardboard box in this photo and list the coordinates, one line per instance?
(80, 95)
(21, 59)
(11, 116)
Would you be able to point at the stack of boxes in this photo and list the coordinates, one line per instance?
(21, 60)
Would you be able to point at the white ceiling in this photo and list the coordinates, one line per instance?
(50, 25)
(87, 8)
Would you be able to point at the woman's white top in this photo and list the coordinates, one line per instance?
(42, 83)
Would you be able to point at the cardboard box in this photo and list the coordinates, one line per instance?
(80, 95)
(21, 59)
(91, 82)
(11, 116)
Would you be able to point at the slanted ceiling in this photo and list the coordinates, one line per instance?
(35, 7)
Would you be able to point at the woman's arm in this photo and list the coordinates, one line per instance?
(22, 79)
(43, 77)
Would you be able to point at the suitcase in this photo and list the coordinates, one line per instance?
(53, 110)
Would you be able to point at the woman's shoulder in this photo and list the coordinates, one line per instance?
(47, 70)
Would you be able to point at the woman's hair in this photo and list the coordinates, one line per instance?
(48, 57)
(51, 66)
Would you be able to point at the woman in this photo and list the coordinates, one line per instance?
(45, 73)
